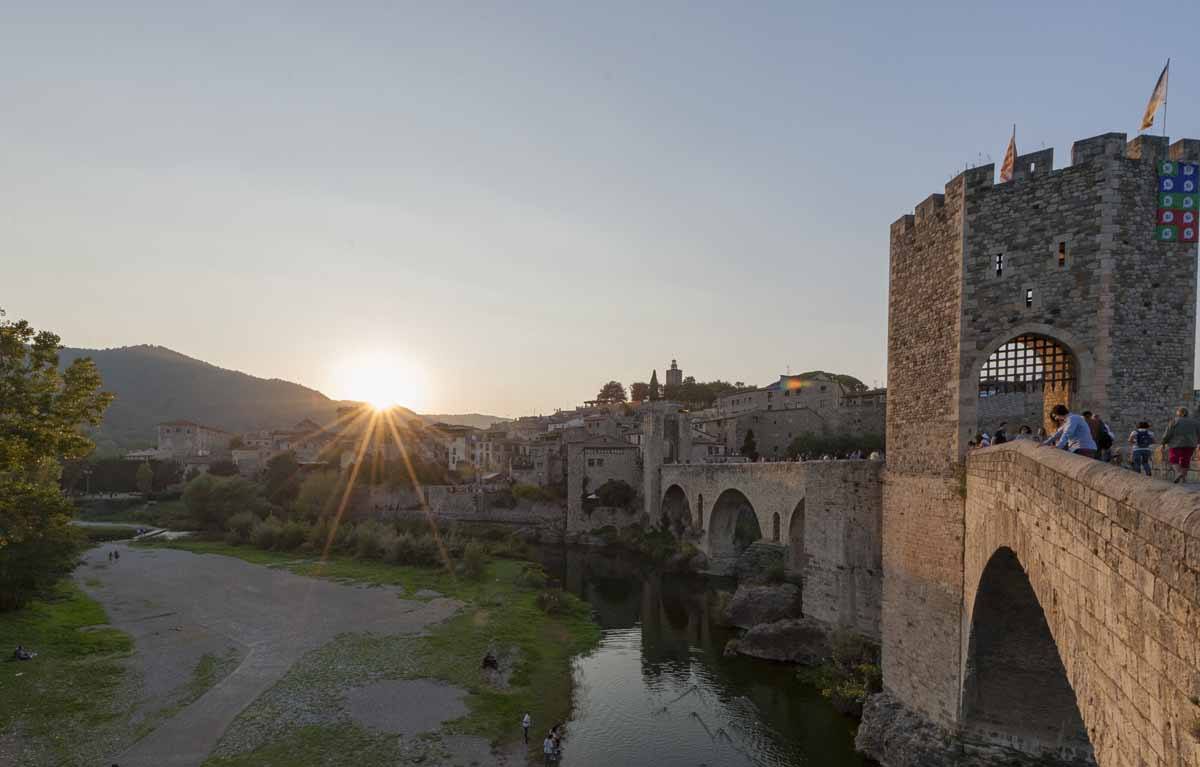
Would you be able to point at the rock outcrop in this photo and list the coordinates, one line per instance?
(792, 640)
(896, 736)
(752, 604)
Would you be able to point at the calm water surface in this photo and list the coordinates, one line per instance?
(658, 692)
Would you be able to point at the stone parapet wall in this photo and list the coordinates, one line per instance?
(1114, 560)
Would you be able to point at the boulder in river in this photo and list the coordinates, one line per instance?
(793, 640)
(767, 603)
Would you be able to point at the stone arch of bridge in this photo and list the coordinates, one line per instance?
(974, 415)
(795, 541)
(1015, 687)
(676, 511)
(733, 525)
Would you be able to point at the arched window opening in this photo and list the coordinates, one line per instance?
(775, 527)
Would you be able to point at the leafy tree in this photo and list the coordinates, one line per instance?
(41, 412)
(145, 478)
(211, 500)
(236, 442)
(281, 479)
(611, 392)
(616, 493)
(817, 444)
(319, 494)
(750, 446)
(639, 392)
(223, 468)
(850, 382)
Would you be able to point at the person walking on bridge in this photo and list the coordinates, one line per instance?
(1141, 442)
(1073, 433)
(1180, 440)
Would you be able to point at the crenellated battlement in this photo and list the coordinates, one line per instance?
(1040, 164)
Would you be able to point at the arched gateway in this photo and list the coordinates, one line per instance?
(1023, 379)
(732, 527)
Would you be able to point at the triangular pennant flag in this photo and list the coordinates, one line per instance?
(1157, 98)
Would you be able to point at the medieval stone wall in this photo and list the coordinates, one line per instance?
(922, 507)
(828, 510)
(1114, 560)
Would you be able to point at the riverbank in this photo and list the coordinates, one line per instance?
(502, 613)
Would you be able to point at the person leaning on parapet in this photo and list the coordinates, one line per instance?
(1181, 439)
(1141, 446)
(1025, 433)
(1101, 435)
(1073, 433)
(1001, 435)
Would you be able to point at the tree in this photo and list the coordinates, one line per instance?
(639, 392)
(213, 500)
(145, 478)
(236, 442)
(319, 494)
(223, 468)
(281, 478)
(611, 392)
(749, 446)
(41, 412)
(653, 392)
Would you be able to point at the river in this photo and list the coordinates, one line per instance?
(658, 691)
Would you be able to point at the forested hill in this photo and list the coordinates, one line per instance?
(154, 384)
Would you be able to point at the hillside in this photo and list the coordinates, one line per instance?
(153, 384)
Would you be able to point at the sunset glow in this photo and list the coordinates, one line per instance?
(382, 380)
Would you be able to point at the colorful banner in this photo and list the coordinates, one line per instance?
(1178, 201)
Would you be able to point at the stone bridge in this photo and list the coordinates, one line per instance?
(823, 515)
(1077, 635)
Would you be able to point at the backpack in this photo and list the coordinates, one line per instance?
(1104, 438)
(1143, 439)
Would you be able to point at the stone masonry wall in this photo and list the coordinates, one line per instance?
(836, 506)
(922, 509)
(1114, 560)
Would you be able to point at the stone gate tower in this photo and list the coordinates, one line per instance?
(1005, 299)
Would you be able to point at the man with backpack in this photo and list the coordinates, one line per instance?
(1141, 441)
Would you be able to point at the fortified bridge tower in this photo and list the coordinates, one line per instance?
(1078, 286)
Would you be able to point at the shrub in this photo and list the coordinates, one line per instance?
(552, 602)
(533, 493)
(292, 536)
(318, 535)
(474, 561)
(776, 573)
(532, 576)
(367, 540)
(266, 533)
(239, 526)
(233, 539)
(504, 500)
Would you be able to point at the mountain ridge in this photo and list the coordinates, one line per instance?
(155, 383)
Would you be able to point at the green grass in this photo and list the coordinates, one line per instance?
(344, 745)
(499, 613)
(66, 695)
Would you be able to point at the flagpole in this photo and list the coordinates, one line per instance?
(1166, 93)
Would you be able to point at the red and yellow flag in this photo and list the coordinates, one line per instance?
(1157, 98)
(1010, 158)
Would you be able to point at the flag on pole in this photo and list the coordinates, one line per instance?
(1010, 158)
(1157, 98)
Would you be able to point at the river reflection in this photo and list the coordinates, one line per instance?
(658, 692)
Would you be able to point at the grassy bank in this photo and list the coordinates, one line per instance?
(504, 612)
(67, 705)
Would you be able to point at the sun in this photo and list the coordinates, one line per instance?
(382, 380)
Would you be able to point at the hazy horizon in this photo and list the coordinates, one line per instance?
(519, 203)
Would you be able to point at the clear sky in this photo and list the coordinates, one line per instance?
(522, 200)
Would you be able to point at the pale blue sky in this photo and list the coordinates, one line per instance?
(525, 199)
